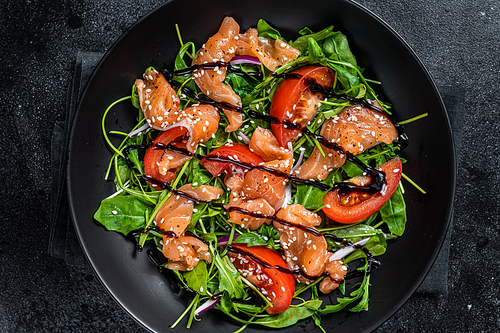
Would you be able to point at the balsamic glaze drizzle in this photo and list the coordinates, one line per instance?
(402, 141)
(278, 267)
(211, 66)
(378, 177)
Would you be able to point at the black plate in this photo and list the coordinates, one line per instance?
(134, 281)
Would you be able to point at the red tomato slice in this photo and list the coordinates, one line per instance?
(237, 151)
(294, 103)
(153, 155)
(277, 286)
(356, 206)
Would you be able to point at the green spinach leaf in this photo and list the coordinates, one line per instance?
(197, 278)
(394, 213)
(123, 213)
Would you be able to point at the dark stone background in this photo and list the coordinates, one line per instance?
(457, 41)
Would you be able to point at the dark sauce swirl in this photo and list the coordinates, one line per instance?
(378, 177)
(402, 141)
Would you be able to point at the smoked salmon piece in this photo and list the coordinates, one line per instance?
(272, 53)
(303, 250)
(222, 47)
(157, 98)
(183, 252)
(358, 128)
(219, 47)
(201, 123)
(262, 184)
(355, 129)
(336, 272)
(175, 214)
(260, 206)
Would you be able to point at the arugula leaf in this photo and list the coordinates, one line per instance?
(394, 213)
(135, 98)
(345, 301)
(227, 277)
(225, 304)
(338, 45)
(346, 78)
(314, 50)
(248, 308)
(291, 315)
(179, 58)
(302, 42)
(364, 292)
(123, 213)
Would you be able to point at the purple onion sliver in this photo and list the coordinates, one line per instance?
(346, 250)
(206, 306)
(299, 161)
(139, 130)
(244, 59)
(224, 240)
(243, 137)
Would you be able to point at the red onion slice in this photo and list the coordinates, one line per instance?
(139, 130)
(245, 138)
(244, 59)
(299, 161)
(224, 240)
(206, 306)
(346, 250)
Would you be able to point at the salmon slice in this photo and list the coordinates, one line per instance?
(303, 250)
(219, 47)
(265, 144)
(336, 272)
(355, 129)
(260, 206)
(157, 98)
(262, 184)
(175, 214)
(358, 128)
(184, 252)
(201, 123)
(272, 53)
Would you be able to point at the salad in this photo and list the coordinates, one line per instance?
(263, 173)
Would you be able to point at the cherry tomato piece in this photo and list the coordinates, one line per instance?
(276, 285)
(356, 206)
(235, 151)
(294, 104)
(153, 156)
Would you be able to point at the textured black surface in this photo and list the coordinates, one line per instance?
(456, 40)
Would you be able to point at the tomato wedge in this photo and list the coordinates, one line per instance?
(153, 156)
(294, 103)
(356, 206)
(236, 151)
(276, 285)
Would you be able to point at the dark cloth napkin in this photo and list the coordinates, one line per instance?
(63, 241)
